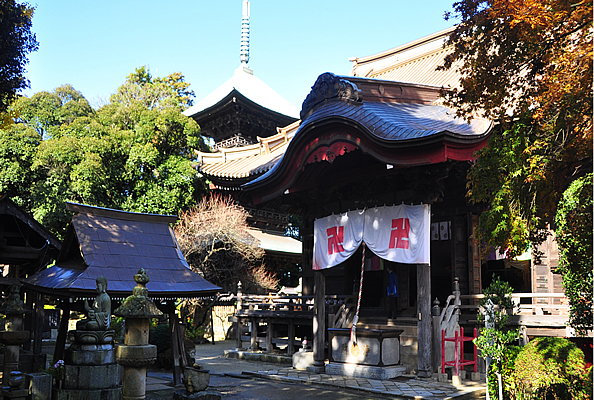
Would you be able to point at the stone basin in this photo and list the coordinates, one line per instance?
(196, 380)
(374, 347)
(14, 337)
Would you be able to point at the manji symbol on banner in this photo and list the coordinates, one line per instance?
(397, 233)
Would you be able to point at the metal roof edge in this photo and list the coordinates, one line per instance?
(401, 48)
(119, 214)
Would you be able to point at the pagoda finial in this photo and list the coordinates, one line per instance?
(244, 50)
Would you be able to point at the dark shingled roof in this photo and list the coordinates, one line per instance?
(116, 244)
(401, 121)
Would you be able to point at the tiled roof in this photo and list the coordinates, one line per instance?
(246, 83)
(401, 121)
(394, 124)
(414, 62)
(247, 161)
(422, 69)
(276, 242)
(116, 244)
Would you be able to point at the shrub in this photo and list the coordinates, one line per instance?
(160, 336)
(195, 333)
(165, 358)
(506, 369)
(551, 368)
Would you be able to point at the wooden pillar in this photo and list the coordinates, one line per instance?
(319, 322)
(424, 320)
(269, 334)
(238, 323)
(62, 331)
(28, 318)
(254, 334)
(436, 338)
(212, 327)
(38, 322)
(175, 344)
(291, 337)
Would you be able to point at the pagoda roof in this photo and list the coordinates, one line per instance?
(239, 164)
(245, 82)
(116, 244)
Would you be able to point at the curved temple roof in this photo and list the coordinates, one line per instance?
(246, 83)
(116, 244)
(392, 102)
(396, 122)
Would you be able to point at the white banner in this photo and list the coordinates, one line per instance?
(396, 233)
(336, 238)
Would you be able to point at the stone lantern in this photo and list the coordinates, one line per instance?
(136, 354)
(13, 337)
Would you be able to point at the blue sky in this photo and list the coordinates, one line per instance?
(94, 45)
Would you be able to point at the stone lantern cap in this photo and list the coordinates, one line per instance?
(13, 305)
(138, 305)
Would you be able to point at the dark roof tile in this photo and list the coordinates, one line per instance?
(117, 244)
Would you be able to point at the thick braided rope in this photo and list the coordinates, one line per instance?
(356, 317)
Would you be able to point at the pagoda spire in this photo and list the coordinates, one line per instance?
(244, 50)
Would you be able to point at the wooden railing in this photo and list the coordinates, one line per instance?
(536, 314)
(537, 304)
(274, 310)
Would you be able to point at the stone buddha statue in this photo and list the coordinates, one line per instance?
(99, 315)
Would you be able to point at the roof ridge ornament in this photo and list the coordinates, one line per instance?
(330, 87)
(244, 48)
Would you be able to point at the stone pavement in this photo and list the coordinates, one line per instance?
(211, 357)
(407, 387)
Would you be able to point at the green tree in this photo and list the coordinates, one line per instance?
(18, 148)
(574, 235)
(134, 153)
(48, 112)
(528, 66)
(16, 42)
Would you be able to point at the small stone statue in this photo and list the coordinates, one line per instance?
(98, 316)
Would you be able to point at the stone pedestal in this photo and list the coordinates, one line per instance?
(90, 368)
(40, 385)
(13, 337)
(135, 355)
(196, 380)
(13, 340)
(374, 347)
